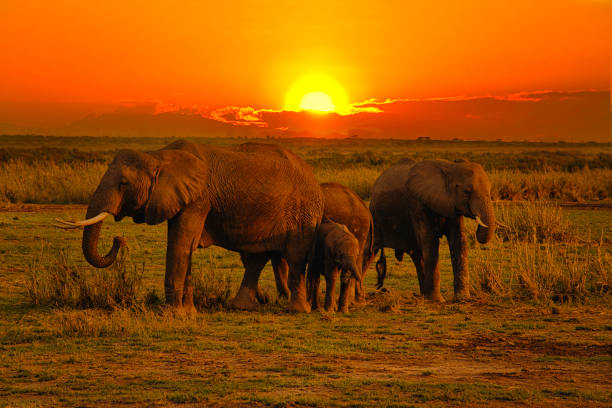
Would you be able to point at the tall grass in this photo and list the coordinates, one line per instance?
(211, 290)
(536, 221)
(360, 179)
(52, 279)
(543, 272)
(73, 183)
(48, 182)
(583, 185)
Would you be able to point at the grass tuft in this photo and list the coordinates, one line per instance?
(56, 281)
(212, 290)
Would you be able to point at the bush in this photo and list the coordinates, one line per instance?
(58, 282)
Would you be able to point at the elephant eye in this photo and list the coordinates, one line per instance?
(468, 191)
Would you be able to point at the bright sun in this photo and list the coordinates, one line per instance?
(317, 101)
(317, 93)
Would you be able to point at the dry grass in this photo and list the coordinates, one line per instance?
(48, 182)
(73, 183)
(579, 186)
(543, 272)
(360, 179)
(211, 290)
(534, 221)
(55, 281)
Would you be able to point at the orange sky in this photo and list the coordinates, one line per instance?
(248, 53)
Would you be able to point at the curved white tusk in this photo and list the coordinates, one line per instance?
(66, 226)
(77, 224)
(479, 221)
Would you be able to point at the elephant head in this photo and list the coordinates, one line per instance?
(344, 251)
(452, 189)
(149, 187)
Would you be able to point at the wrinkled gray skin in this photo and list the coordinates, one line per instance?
(259, 200)
(337, 253)
(345, 207)
(415, 204)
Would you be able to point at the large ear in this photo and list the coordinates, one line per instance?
(428, 181)
(181, 179)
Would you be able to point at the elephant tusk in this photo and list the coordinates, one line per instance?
(78, 224)
(65, 226)
(479, 221)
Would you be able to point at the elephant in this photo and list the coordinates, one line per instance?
(414, 204)
(343, 206)
(256, 199)
(337, 251)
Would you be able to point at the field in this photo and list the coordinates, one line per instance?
(537, 331)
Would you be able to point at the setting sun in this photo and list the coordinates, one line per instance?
(318, 93)
(317, 101)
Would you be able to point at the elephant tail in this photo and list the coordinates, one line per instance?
(368, 250)
(313, 271)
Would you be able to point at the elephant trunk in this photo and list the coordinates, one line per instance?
(91, 233)
(355, 270)
(483, 208)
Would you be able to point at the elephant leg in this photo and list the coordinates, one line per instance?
(188, 305)
(253, 264)
(184, 231)
(347, 287)
(381, 269)
(360, 293)
(360, 297)
(313, 280)
(331, 277)
(417, 259)
(298, 248)
(431, 271)
(281, 275)
(457, 243)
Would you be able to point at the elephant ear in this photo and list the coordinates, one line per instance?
(180, 180)
(428, 181)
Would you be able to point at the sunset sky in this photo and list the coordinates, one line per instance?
(63, 60)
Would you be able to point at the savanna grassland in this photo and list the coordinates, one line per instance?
(537, 331)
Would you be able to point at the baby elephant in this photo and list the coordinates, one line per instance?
(336, 250)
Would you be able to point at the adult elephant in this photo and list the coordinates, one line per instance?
(342, 206)
(259, 200)
(415, 204)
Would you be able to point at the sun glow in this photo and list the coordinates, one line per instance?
(317, 93)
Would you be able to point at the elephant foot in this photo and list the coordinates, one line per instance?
(437, 297)
(462, 296)
(180, 311)
(244, 300)
(359, 301)
(190, 310)
(330, 309)
(262, 297)
(344, 308)
(299, 305)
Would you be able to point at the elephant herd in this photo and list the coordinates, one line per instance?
(265, 203)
